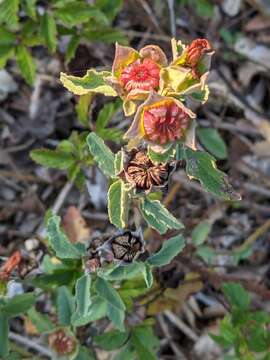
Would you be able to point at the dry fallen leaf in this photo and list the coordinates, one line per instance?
(257, 23)
(75, 226)
(173, 299)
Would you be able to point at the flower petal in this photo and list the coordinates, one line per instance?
(154, 53)
(124, 55)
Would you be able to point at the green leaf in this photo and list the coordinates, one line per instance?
(201, 166)
(213, 142)
(107, 35)
(111, 340)
(85, 354)
(49, 31)
(93, 82)
(118, 204)
(65, 306)
(7, 37)
(101, 153)
(18, 304)
(117, 316)
(144, 343)
(97, 310)
(82, 295)
(105, 115)
(147, 274)
(4, 330)
(63, 248)
(26, 64)
(72, 47)
(30, 8)
(125, 353)
(118, 162)
(204, 8)
(200, 233)
(56, 159)
(236, 295)
(158, 217)
(123, 272)
(9, 12)
(6, 53)
(41, 322)
(107, 292)
(110, 8)
(169, 250)
(206, 253)
(82, 108)
(72, 14)
(162, 157)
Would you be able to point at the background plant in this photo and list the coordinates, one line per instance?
(26, 24)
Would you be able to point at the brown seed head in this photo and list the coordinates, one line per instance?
(144, 174)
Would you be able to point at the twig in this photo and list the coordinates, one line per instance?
(179, 354)
(23, 177)
(172, 17)
(181, 325)
(21, 147)
(31, 344)
(35, 97)
(151, 15)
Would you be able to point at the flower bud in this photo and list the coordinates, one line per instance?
(195, 51)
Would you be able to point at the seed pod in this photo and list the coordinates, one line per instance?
(143, 174)
(62, 343)
(125, 247)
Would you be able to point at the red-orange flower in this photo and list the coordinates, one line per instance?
(143, 75)
(160, 120)
(135, 74)
(165, 122)
(195, 51)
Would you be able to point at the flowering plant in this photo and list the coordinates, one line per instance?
(108, 274)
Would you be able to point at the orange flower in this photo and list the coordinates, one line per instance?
(134, 73)
(165, 122)
(160, 120)
(142, 75)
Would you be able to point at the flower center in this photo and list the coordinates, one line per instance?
(165, 123)
(141, 75)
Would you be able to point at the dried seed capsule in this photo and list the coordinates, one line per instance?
(142, 173)
(126, 246)
(62, 343)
